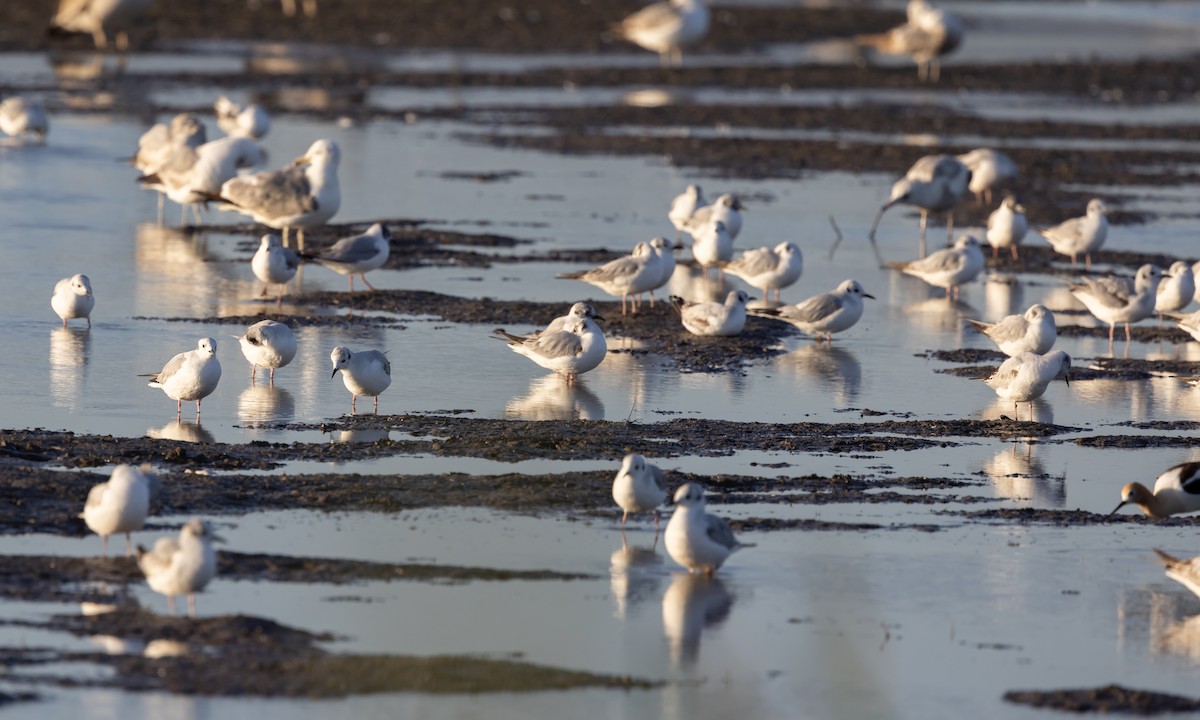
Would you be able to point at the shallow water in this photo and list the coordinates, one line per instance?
(883, 623)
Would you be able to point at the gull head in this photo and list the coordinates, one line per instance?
(690, 495)
(201, 530)
(632, 465)
(321, 152)
(269, 241)
(583, 310)
(1035, 313)
(80, 285)
(737, 297)
(661, 244)
(1096, 206)
(186, 126)
(1064, 367)
(966, 241)
(207, 346)
(341, 358)
(852, 287)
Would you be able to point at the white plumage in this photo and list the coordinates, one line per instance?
(191, 375)
(696, 540)
(713, 318)
(73, 298)
(364, 372)
(181, 567)
(268, 344)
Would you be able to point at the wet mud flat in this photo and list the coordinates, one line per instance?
(1110, 699)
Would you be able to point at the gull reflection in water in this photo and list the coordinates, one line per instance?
(1165, 621)
(182, 431)
(363, 435)
(830, 366)
(691, 604)
(1000, 409)
(1003, 295)
(635, 575)
(68, 360)
(690, 282)
(939, 315)
(261, 403)
(1017, 475)
(551, 398)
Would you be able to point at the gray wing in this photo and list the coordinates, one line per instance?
(656, 16)
(659, 477)
(277, 194)
(380, 358)
(291, 258)
(255, 336)
(96, 495)
(173, 365)
(351, 250)
(159, 558)
(1012, 327)
(813, 309)
(754, 262)
(622, 267)
(933, 166)
(948, 260)
(1103, 294)
(718, 531)
(1065, 230)
(556, 344)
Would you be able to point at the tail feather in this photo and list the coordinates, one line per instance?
(1167, 559)
(678, 303)
(571, 275)
(502, 334)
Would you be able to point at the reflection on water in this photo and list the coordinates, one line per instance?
(264, 403)
(691, 604)
(831, 366)
(112, 645)
(1017, 475)
(1003, 295)
(363, 435)
(690, 282)
(68, 364)
(1131, 399)
(182, 431)
(941, 316)
(162, 647)
(551, 398)
(1041, 410)
(635, 575)
(1163, 621)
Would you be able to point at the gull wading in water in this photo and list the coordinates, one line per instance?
(666, 28)
(1006, 227)
(119, 505)
(928, 34)
(990, 170)
(274, 264)
(181, 567)
(1025, 377)
(948, 268)
(1176, 491)
(823, 314)
(191, 375)
(769, 268)
(267, 344)
(934, 184)
(303, 194)
(713, 318)
(357, 255)
(684, 206)
(24, 120)
(364, 372)
(73, 298)
(1111, 301)
(639, 487)
(575, 349)
(712, 246)
(1034, 331)
(696, 540)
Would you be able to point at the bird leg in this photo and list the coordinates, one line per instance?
(1013, 248)
(376, 404)
(272, 377)
(1128, 335)
(253, 370)
(264, 292)
(178, 410)
(921, 243)
(104, 546)
(128, 545)
(192, 605)
(197, 408)
(353, 400)
(364, 279)
(624, 517)
(655, 520)
(171, 604)
(285, 235)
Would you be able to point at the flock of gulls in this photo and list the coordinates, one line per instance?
(178, 161)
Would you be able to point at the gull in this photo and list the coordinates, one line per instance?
(684, 206)
(181, 567)
(191, 375)
(949, 267)
(624, 277)
(928, 34)
(24, 120)
(1176, 290)
(666, 263)
(357, 255)
(1033, 332)
(990, 170)
(1176, 491)
(713, 318)
(1025, 377)
(1006, 227)
(195, 175)
(1184, 572)
(303, 194)
(769, 268)
(725, 208)
(1187, 322)
(274, 264)
(73, 298)
(577, 348)
(1196, 278)
(364, 372)
(639, 487)
(1079, 235)
(935, 184)
(119, 505)
(1112, 302)
(268, 344)
(100, 18)
(169, 146)
(696, 540)
(712, 245)
(251, 121)
(666, 28)
(826, 313)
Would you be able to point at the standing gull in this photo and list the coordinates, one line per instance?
(712, 246)
(826, 313)
(250, 121)
(934, 184)
(1006, 227)
(624, 277)
(950, 267)
(1112, 302)
(713, 318)
(268, 344)
(100, 18)
(303, 194)
(357, 255)
(274, 264)
(1079, 235)
(577, 348)
(928, 34)
(696, 540)
(195, 176)
(364, 372)
(639, 487)
(726, 208)
(990, 170)
(769, 268)
(119, 505)
(158, 146)
(24, 120)
(666, 28)
(73, 298)
(1025, 377)
(181, 567)
(1176, 290)
(1033, 332)
(191, 375)
(1176, 491)
(684, 206)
